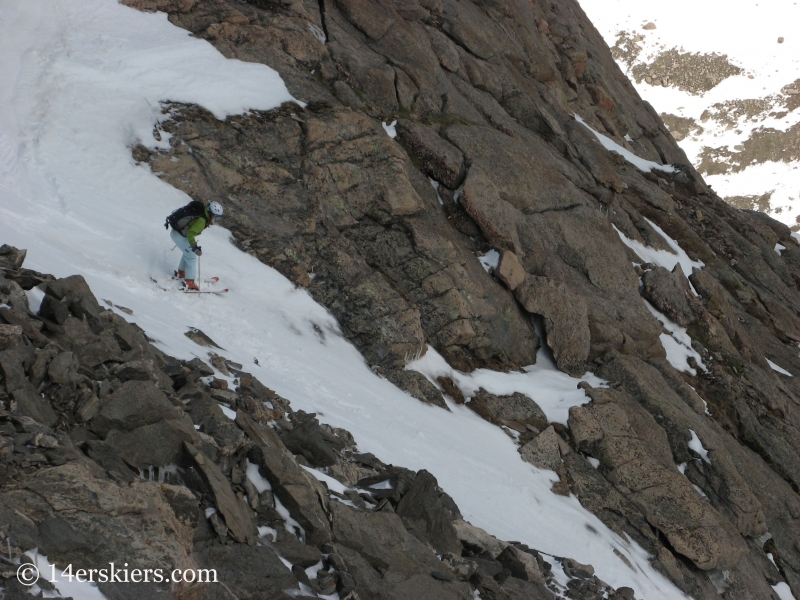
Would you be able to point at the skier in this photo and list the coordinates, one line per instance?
(187, 223)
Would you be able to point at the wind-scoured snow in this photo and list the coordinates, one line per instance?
(79, 84)
(640, 163)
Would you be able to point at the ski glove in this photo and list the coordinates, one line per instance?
(197, 250)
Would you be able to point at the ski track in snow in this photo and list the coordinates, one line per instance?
(80, 83)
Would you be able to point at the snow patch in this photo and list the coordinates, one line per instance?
(62, 583)
(554, 391)
(264, 531)
(435, 185)
(390, 128)
(254, 475)
(697, 446)
(382, 485)
(490, 260)
(778, 369)
(783, 591)
(262, 485)
(772, 559)
(778, 248)
(677, 344)
(230, 413)
(333, 484)
(35, 297)
(638, 162)
(662, 258)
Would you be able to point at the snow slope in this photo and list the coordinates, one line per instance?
(747, 32)
(80, 83)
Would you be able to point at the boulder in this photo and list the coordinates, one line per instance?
(201, 406)
(29, 326)
(497, 219)
(11, 257)
(417, 385)
(478, 539)
(543, 451)
(11, 366)
(668, 293)
(440, 160)
(99, 351)
(238, 516)
(135, 404)
(246, 572)
(296, 552)
(53, 309)
(63, 369)
(522, 565)
(566, 319)
(306, 439)
(382, 539)
(104, 455)
(159, 444)
(75, 285)
(90, 521)
(32, 405)
(509, 270)
(429, 512)
(517, 589)
(38, 371)
(516, 407)
(224, 432)
(9, 336)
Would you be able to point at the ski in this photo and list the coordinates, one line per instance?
(209, 281)
(188, 291)
(218, 292)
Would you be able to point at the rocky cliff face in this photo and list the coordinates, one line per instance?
(113, 452)
(697, 463)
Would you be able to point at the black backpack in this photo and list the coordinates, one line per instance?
(191, 211)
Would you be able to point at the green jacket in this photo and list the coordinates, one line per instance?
(196, 227)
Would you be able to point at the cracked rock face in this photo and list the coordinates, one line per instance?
(484, 95)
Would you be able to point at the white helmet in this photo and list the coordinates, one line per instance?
(215, 208)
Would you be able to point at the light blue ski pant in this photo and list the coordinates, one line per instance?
(188, 258)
